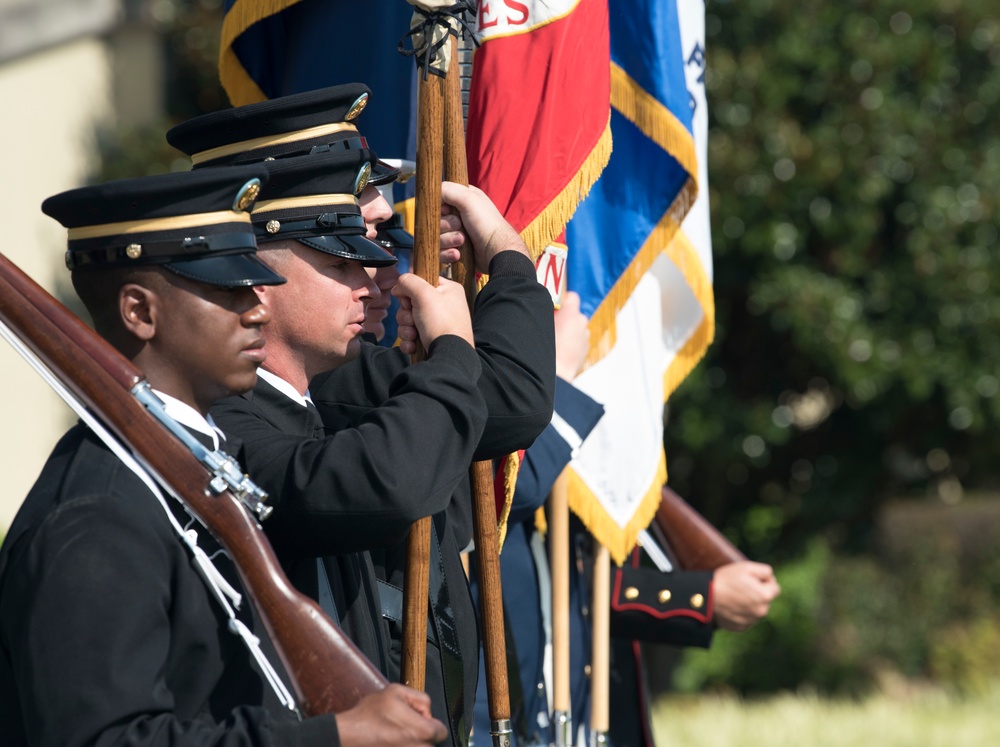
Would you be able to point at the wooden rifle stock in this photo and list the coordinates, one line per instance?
(328, 672)
(692, 540)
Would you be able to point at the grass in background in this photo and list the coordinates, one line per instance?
(925, 719)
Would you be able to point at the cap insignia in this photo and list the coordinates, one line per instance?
(246, 196)
(364, 174)
(133, 251)
(357, 107)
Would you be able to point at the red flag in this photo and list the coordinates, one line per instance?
(539, 108)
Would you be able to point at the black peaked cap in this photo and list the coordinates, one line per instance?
(196, 224)
(393, 236)
(279, 128)
(314, 199)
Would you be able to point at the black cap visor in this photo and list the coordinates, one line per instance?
(350, 246)
(227, 270)
(383, 173)
(394, 237)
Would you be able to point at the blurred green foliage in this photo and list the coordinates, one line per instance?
(188, 32)
(851, 625)
(854, 164)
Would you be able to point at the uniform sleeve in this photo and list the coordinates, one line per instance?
(655, 607)
(362, 487)
(515, 342)
(575, 416)
(515, 338)
(88, 624)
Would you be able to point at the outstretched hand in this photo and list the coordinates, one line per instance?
(395, 717)
(743, 594)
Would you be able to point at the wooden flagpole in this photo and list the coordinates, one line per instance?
(426, 264)
(600, 669)
(481, 472)
(559, 555)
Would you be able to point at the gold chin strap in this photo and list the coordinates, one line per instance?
(171, 223)
(261, 142)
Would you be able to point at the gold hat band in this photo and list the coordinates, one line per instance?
(289, 203)
(171, 223)
(260, 142)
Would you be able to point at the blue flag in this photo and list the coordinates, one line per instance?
(629, 224)
(272, 49)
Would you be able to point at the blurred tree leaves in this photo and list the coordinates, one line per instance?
(188, 34)
(854, 164)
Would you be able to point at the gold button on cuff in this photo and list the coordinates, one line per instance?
(664, 596)
(631, 592)
(586, 670)
(697, 601)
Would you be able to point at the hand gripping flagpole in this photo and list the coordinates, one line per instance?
(434, 28)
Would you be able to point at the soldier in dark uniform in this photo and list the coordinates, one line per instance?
(410, 440)
(108, 633)
(679, 608)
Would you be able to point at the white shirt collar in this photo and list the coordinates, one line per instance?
(190, 418)
(284, 387)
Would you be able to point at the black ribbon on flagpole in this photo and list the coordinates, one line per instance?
(431, 19)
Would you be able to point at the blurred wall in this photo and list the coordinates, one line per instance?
(67, 67)
(61, 92)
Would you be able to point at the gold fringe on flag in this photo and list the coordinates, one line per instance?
(684, 256)
(653, 119)
(236, 81)
(657, 123)
(602, 324)
(618, 540)
(660, 125)
(548, 224)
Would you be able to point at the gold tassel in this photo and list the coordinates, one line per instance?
(541, 523)
(511, 467)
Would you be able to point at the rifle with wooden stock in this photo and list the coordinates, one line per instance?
(328, 673)
(693, 542)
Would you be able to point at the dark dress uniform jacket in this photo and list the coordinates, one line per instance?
(637, 614)
(399, 442)
(515, 343)
(108, 636)
(353, 601)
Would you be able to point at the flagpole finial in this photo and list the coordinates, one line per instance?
(432, 23)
